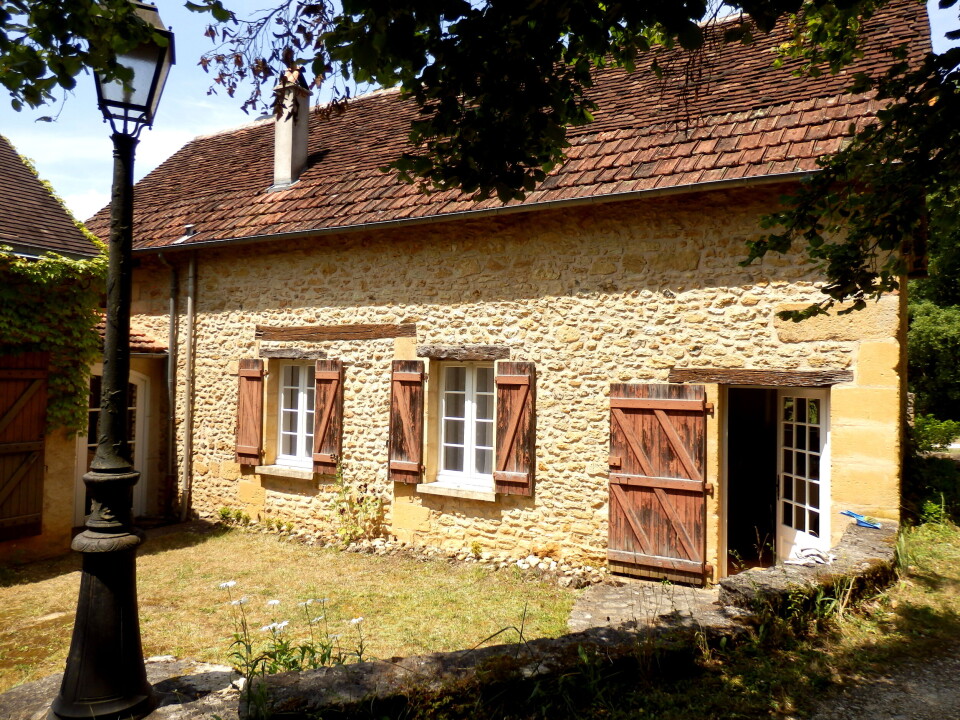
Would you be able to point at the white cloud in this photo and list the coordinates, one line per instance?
(85, 203)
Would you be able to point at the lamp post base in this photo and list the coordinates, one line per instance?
(105, 677)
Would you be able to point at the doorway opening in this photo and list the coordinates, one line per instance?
(751, 478)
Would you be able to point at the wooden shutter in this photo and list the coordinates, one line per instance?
(657, 487)
(406, 421)
(250, 412)
(23, 409)
(516, 428)
(327, 416)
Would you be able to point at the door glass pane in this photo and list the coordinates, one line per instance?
(485, 407)
(485, 379)
(801, 437)
(800, 495)
(801, 463)
(815, 439)
(454, 405)
(798, 518)
(814, 491)
(813, 409)
(788, 461)
(801, 409)
(815, 523)
(485, 434)
(788, 409)
(788, 514)
(788, 435)
(788, 488)
(814, 473)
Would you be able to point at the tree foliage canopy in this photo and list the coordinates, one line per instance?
(499, 82)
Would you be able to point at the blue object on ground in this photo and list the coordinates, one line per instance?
(861, 520)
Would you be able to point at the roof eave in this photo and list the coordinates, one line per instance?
(486, 212)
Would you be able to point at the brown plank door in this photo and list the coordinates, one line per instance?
(657, 485)
(23, 409)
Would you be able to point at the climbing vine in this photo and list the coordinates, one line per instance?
(51, 305)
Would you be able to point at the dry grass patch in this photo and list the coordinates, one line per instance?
(408, 606)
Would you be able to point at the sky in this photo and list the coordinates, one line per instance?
(75, 153)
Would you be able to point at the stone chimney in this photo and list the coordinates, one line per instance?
(290, 135)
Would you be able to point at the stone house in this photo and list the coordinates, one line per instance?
(588, 374)
(42, 495)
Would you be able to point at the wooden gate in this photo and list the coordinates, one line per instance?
(23, 409)
(657, 486)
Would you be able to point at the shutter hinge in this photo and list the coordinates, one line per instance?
(708, 408)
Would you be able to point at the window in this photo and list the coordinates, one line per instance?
(466, 415)
(296, 411)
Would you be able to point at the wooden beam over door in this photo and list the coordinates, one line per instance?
(776, 378)
(320, 333)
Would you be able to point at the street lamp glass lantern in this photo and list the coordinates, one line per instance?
(131, 106)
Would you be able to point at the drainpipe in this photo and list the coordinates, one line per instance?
(186, 469)
(172, 356)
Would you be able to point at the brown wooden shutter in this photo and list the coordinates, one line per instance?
(250, 412)
(657, 486)
(406, 421)
(327, 416)
(23, 409)
(516, 428)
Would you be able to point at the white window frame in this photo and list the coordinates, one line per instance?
(304, 410)
(469, 478)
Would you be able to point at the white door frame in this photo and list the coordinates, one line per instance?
(805, 470)
(141, 451)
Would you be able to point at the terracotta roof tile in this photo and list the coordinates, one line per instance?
(31, 219)
(744, 120)
(141, 341)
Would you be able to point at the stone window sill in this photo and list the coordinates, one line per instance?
(284, 472)
(436, 488)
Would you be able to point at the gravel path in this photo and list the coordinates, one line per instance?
(928, 690)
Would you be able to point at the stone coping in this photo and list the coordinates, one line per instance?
(191, 691)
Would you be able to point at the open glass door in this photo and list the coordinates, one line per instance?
(803, 517)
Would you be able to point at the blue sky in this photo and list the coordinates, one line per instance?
(75, 153)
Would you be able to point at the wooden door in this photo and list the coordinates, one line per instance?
(657, 485)
(23, 409)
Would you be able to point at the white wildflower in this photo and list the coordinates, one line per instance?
(273, 602)
(227, 584)
(356, 621)
(323, 601)
(305, 603)
(268, 628)
(282, 625)
(317, 619)
(240, 601)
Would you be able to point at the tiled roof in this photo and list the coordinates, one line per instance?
(141, 341)
(31, 219)
(737, 119)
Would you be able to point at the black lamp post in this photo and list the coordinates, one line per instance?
(105, 677)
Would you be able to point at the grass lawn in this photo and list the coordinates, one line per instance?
(408, 606)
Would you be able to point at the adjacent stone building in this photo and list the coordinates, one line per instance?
(589, 374)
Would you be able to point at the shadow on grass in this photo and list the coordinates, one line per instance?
(159, 539)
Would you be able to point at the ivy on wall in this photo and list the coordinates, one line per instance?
(51, 305)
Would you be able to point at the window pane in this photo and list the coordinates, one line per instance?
(454, 406)
(787, 435)
(289, 443)
(787, 488)
(485, 407)
(485, 379)
(814, 473)
(485, 461)
(801, 409)
(453, 432)
(815, 439)
(815, 524)
(788, 461)
(291, 397)
(800, 495)
(456, 379)
(788, 409)
(92, 427)
(289, 422)
(291, 375)
(788, 514)
(801, 464)
(453, 458)
(131, 395)
(799, 519)
(484, 434)
(813, 408)
(95, 385)
(801, 437)
(814, 499)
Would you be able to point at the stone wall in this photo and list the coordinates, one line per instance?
(596, 294)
